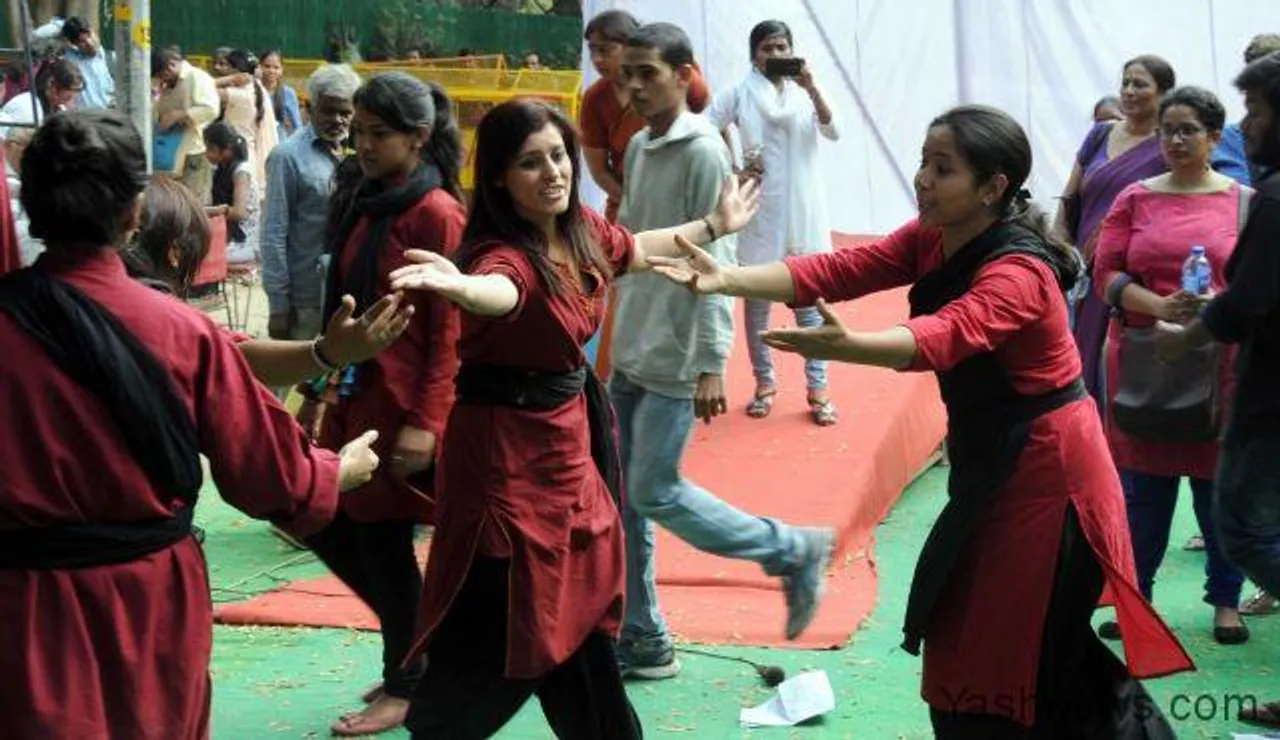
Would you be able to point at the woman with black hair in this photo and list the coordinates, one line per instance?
(57, 84)
(119, 393)
(408, 197)
(1034, 531)
(524, 587)
(284, 99)
(245, 106)
(235, 192)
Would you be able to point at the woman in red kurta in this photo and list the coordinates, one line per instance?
(103, 592)
(1144, 241)
(524, 583)
(1035, 525)
(408, 149)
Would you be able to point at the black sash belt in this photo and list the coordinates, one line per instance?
(537, 390)
(90, 544)
(984, 448)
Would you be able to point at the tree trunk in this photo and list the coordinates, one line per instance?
(86, 9)
(14, 9)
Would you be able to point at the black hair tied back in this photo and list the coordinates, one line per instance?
(81, 174)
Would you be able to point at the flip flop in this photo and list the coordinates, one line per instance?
(1195, 544)
(824, 413)
(762, 404)
(1261, 604)
(1263, 715)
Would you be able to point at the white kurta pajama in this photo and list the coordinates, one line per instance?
(783, 125)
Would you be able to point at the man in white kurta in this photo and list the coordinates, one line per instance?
(779, 120)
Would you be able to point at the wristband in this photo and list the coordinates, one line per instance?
(710, 229)
(318, 356)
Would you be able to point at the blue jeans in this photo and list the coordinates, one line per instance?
(653, 431)
(1247, 508)
(1151, 501)
(757, 321)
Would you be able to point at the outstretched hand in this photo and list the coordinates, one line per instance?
(696, 270)
(432, 272)
(350, 340)
(738, 204)
(830, 341)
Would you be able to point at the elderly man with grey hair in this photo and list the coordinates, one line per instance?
(299, 181)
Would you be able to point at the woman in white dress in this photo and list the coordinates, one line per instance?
(780, 115)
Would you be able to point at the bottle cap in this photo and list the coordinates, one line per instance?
(1197, 249)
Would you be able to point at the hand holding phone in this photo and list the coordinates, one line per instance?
(783, 66)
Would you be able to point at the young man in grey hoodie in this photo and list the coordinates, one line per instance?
(669, 353)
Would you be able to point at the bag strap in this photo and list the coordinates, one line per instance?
(1246, 197)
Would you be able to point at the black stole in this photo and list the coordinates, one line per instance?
(88, 343)
(382, 206)
(988, 421)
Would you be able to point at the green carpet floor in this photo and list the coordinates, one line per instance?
(292, 683)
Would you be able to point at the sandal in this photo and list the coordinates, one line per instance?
(824, 412)
(1263, 715)
(1195, 544)
(1260, 604)
(762, 404)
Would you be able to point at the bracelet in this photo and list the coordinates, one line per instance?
(710, 229)
(318, 356)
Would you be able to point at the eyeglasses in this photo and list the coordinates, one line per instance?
(1185, 131)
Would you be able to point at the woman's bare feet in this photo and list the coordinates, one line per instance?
(382, 714)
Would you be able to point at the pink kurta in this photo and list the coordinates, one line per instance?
(521, 484)
(1149, 235)
(122, 651)
(983, 643)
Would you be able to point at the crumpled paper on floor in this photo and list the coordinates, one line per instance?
(795, 700)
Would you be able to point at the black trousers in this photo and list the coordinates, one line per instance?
(377, 562)
(1083, 691)
(464, 696)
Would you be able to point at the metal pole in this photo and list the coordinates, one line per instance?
(133, 65)
(36, 92)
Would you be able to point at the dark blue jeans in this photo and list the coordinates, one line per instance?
(1151, 501)
(1247, 508)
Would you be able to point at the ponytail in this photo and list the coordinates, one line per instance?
(1021, 212)
(221, 135)
(444, 148)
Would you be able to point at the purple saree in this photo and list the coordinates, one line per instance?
(1102, 180)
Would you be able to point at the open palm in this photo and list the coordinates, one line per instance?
(696, 270)
(431, 272)
(828, 341)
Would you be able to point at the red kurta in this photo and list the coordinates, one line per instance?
(123, 650)
(983, 647)
(411, 382)
(1148, 235)
(521, 484)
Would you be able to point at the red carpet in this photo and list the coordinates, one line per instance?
(847, 476)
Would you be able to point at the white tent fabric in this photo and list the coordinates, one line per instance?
(887, 67)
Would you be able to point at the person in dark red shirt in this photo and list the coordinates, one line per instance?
(408, 197)
(104, 593)
(525, 581)
(1034, 531)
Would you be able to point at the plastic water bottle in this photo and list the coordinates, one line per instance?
(1197, 273)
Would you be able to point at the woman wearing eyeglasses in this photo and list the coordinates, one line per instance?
(1162, 419)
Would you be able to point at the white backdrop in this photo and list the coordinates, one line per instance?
(887, 67)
